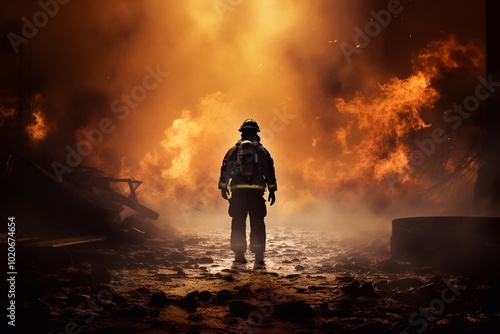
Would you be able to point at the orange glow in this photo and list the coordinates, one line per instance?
(37, 130)
(352, 126)
(375, 141)
(383, 122)
(8, 109)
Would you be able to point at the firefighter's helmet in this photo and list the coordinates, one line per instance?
(249, 124)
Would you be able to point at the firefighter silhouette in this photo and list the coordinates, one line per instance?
(247, 169)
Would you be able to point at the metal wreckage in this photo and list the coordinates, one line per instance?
(87, 209)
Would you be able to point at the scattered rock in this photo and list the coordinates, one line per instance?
(444, 322)
(426, 293)
(223, 295)
(101, 274)
(292, 276)
(228, 278)
(356, 289)
(205, 295)
(366, 289)
(381, 285)
(194, 294)
(159, 299)
(244, 291)
(299, 267)
(189, 302)
(405, 283)
(176, 256)
(352, 288)
(447, 326)
(133, 311)
(204, 260)
(297, 311)
(345, 279)
(241, 308)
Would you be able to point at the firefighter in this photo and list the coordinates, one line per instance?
(247, 169)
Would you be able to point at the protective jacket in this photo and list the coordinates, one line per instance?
(264, 174)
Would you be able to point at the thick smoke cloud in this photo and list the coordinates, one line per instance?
(279, 62)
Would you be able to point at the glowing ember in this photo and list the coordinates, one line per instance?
(7, 109)
(37, 130)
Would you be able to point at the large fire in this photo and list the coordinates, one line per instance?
(338, 131)
(376, 141)
(372, 147)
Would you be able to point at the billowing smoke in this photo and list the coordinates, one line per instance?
(347, 93)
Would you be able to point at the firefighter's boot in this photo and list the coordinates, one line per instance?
(239, 257)
(259, 257)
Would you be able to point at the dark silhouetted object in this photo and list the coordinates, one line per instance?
(247, 169)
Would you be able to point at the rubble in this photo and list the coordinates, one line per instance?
(328, 300)
(84, 209)
(159, 299)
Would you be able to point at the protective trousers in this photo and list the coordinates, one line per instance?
(245, 202)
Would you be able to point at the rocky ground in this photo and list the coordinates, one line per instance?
(310, 283)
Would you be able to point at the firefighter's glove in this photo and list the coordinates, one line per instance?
(272, 197)
(224, 192)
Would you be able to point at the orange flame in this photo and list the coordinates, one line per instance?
(375, 142)
(7, 109)
(37, 130)
(179, 168)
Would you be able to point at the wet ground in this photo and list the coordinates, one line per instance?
(312, 282)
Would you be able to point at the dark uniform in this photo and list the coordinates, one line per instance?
(247, 192)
